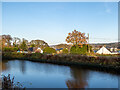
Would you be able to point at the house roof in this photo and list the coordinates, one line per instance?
(103, 50)
(34, 49)
(30, 49)
(59, 49)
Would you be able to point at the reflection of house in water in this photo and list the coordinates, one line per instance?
(79, 78)
(7, 66)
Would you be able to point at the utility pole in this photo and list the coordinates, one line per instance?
(88, 44)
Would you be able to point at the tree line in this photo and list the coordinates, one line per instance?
(78, 40)
(16, 43)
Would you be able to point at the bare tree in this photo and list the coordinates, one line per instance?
(16, 41)
(6, 39)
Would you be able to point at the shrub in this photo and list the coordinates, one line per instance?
(36, 55)
(79, 50)
(23, 46)
(8, 83)
(10, 49)
(84, 49)
(65, 51)
(49, 50)
(75, 49)
(15, 49)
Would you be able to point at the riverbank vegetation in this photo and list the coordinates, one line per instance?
(8, 83)
(81, 49)
(69, 59)
(49, 50)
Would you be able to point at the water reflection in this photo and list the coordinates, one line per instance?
(43, 75)
(79, 78)
(4, 65)
(22, 66)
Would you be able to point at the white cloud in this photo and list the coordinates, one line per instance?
(107, 7)
(108, 10)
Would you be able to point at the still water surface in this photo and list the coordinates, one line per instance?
(44, 75)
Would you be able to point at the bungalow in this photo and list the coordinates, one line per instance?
(59, 50)
(38, 50)
(104, 50)
(35, 49)
(113, 49)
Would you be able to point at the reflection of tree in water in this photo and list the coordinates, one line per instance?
(4, 66)
(8, 65)
(79, 78)
(22, 66)
(47, 68)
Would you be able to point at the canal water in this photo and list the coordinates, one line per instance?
(44, 75)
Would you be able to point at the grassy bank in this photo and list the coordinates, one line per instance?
(100, 62)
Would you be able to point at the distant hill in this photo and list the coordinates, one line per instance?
(61, 46)
(96, 45)
(109, 45)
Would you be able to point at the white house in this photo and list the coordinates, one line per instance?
(103, 50)
(111, 49)
(115, 53)
(39, 50)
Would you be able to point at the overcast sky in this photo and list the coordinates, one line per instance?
(51, 22)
